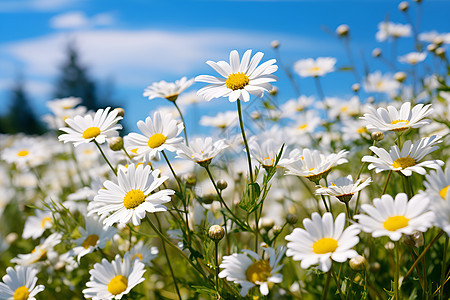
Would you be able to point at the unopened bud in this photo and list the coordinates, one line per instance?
(191, 179)
(11, 238)
(222, 184)
(403, 6)
(216, 232)
(414, 240)
(375, 267)
(291, 219)
(342, 30)
(275, 44)
(377, 136)
(266, 223)
(208, 199)
(116, 143)
(440, 52)
(356, 87)
(120, 111)
(255, 115)
(358, 263)
(438, 41)
(276, 229)
(400, 76)
(418, 1)
(432, 47)
(376, 52)
(274, 91)
(370, 99)
(389, 246)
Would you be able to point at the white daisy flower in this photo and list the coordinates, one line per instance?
(312, 164)
(222, 120)
(158, 134)
(395, 30)
(379, 83)
(113, 280)
(434, 36)
(201, 151)
(132, 197)
(290, 108)
(57, 106)
(20, 284)
(168, 90)
(254, 271)
(41, 252)
(391, 119)
(84, 129)
(406, 160)
(94, 236)
(353, 130)
(413, 58)
(144, 253)
(37, 224)
(266, 152)
(343, 188)
(26, 152)
(241, 78)
(306, 122)
(314, 67)
(392, 218)
(438, 183)
(441, 210)
(344, 109)
(322, 241)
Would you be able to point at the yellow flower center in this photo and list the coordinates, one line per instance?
(133, 199)
(362, 130)
(444, 191)
(343, 109)
(90, 241)
(400, 121)
(91, 132)
(268, 159)
(134, 151)
(156, 140)
(138, 255)
(314, 69)
(301, 127)
(237, 81)
(404, 162)
(395, 223)
(325, 245)
(21, 293)
(23, 153)
(45, 220)
(258, 271)
(42, 254)
(380, 84)
(118, 285)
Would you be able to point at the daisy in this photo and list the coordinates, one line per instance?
(160, 133)
(438, 183)
(312, 164)
(26, 152)
(84, 129)
(343, 188)
(144, 253)
(94, 236)
(201, 151)
(406, 160)
(441, 210)
(379, 83)
(132, 197)
(266, 152)
(322, 241)
(57, 106)
(41, 252)
(307, 122)
(222, 120)
(395, 30)
(241, 78)
(113, 280)
(254, 271)
(342, 108)
(20, 284)
(291, 107)
(392, 218)
(353, 130)
(167, 90)
(391, 119)
(37, 224)
(314, 68)
(413, 58)
(434, 36)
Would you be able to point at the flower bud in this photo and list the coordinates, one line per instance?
(376, 52)
(120, 111)
(208, 199)
(370, 99)
(266, 223)
(274, 91)
(403, 6)
(291, 219)
(276, 229)
(216, 232)
(418, 1)
(400, 76)
(356, 87)
(222, 184)
(275, 44)
(414, 240)
(375, 267)
(342, 30)
(432, 47)
(256, 115)
(440, 52)
(116, 143)
(438, 41)
(191, 179)
(358, 263)
(377, 136)
(389, 246)
(11, 238)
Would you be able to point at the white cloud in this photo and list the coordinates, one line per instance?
(79, 20)
(36, 5)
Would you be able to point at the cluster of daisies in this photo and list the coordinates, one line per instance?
(91, 195)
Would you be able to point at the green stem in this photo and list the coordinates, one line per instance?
(167, 258)
(325, 203)
(173, 172)
(444, 261)
(336, 280)
(128, 155)
(349, 215)
(182, 120)
(104, 156)
(241, 124)
(386, 183)
(216, 257)
(327, 286)
(397, 271)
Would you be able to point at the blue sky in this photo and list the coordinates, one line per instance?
(137, 42)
